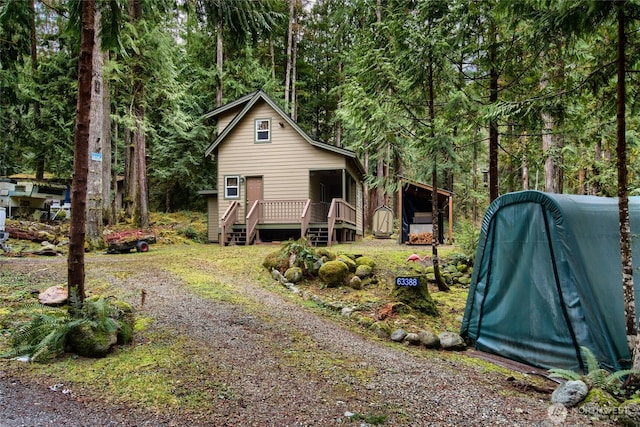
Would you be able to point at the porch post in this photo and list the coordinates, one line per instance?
(451, 218)
(344, 185)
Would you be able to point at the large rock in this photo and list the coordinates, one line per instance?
(412, 338)
(363, 271)
(451, 341)
(429, 339)
(90, 342)
(570, 393)
(333, 273)
(398, 335)
(293, 274)
(54, 295)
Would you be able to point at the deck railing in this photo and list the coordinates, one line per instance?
(229, 218)
(281, 211)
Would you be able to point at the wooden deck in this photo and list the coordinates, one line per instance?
(304, 215)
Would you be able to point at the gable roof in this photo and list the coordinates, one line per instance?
(247, 102)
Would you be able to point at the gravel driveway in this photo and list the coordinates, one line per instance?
(282, 364)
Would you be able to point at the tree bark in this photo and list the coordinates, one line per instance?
(494, 190)
(107, 207)
(219, 60)
(75, 260)
(94, 181)
(434, 191)
(139, 142)
(623, 199)
(287, 75)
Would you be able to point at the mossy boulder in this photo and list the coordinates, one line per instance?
(326, 254)
(355, 283)
(363, 271)
(91, 342)
(381, 329)
(365, 260)
(275, 261)
(293, 274)
(351, 264)
(333, 273)
(126, 321)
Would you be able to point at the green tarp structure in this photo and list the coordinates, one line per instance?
(547, 280)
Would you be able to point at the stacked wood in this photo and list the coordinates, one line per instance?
(420, 238)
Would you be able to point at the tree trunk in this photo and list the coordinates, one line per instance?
(75, 260)
(494, 190)
(287, 74)
(94, 181)
(294, 76)
(107, 207)
(623, 199)
(219, 61)
(548, 146)
(434, 191)
(139, 141)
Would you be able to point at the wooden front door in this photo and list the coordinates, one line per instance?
(254, 190)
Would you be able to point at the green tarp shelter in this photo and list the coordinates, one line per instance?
(547, 280)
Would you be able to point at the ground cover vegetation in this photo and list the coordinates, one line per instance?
(168, 372)
(480, 98)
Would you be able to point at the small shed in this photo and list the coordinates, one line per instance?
(382, 226)
(415, 209)
(547, 280)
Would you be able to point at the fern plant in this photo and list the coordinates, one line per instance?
(305, 254)
(44, 336)
(595, 376)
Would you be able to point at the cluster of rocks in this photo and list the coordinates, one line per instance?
(428, 339)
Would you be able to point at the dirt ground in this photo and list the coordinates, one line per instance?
(266, 359)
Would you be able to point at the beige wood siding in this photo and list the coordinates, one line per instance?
(212, 218)
(284, 163)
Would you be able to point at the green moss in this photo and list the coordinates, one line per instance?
(293, 274)
(351, 264)
(417, 297)
(366, 260)
(333, 273)
(363, 271)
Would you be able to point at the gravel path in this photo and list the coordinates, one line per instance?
(283, 366)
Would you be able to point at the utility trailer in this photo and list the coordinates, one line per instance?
(125, 241)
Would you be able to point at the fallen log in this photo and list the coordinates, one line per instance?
(37, 236)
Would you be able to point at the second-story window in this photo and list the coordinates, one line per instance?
(263, 130)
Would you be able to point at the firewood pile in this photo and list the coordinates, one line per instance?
(420, 238)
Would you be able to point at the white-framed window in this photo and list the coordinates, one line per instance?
(263, 130)
(232, 187)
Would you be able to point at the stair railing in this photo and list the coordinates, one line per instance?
(229, 218)
(305, 218)
(253, 217)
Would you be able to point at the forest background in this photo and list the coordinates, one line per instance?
(479, 97)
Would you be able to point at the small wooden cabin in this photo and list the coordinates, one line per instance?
(274, 182)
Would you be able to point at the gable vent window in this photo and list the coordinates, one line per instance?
(263, 130)
(232, 187)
